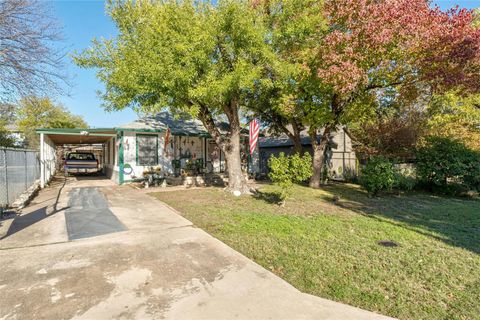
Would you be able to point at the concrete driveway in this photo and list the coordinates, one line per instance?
(87, 249)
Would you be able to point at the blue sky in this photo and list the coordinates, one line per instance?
(84, 20)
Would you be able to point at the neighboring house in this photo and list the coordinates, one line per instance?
(17, 135)
(340, 156)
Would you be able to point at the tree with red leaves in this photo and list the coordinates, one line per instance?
(369, 48)
(373, 46)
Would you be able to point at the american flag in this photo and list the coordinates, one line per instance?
(254, 131)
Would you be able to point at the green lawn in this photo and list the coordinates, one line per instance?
(331, 249)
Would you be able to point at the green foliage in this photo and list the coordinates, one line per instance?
(33, 113)
(6, 139)
(378, 175)
(452, 115)
(448, 166)
(287, 170)
(295, 27)
(180, 54)
(196, 57)
(7, 116)
(476, 21)
(404, 181)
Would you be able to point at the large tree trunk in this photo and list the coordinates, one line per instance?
(295, 137)
(319, 149)
(230, 146)
(236, 178)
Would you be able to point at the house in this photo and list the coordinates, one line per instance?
(129, 151)
(16, 135)
(190, 147)
(140, 146)
(340, 156)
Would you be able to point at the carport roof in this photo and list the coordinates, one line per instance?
(78, 135)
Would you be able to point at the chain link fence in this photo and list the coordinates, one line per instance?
(19, 169)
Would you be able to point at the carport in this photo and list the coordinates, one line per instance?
(50, 139)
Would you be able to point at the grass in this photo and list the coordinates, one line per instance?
(331, 249)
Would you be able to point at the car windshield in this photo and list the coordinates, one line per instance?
(81, 156)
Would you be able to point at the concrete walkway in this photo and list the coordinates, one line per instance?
(159, 267)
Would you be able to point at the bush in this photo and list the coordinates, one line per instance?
(378, 175)
(447, 166)
(286, 170)
(404, 179)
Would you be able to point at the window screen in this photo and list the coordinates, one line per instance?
(147, 150)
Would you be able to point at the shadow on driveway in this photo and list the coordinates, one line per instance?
(21, 222)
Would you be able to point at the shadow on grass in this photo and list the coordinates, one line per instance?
(268, 197)
(454, 221)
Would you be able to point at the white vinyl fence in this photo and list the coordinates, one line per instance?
(19, 169)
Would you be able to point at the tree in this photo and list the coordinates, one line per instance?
(6, 139)
(294, 27)
(476, 22)
(456, 117)
(34, 113)
(187, 56)
(374, 46)
(7, 116)
(397, 129)
(29, 64)
(369, 51)
(393, 131)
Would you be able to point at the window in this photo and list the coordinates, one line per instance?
(81, 156)
(147, 150)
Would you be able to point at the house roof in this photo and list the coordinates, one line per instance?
(281, 141)
(180, 125)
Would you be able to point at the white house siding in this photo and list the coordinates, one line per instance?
(188, 148)
(130, 155)
(48, 158)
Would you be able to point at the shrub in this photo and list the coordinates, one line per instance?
(405, 178)
(378, 175)
(286, 170)
(448, 166)
(404, 182)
